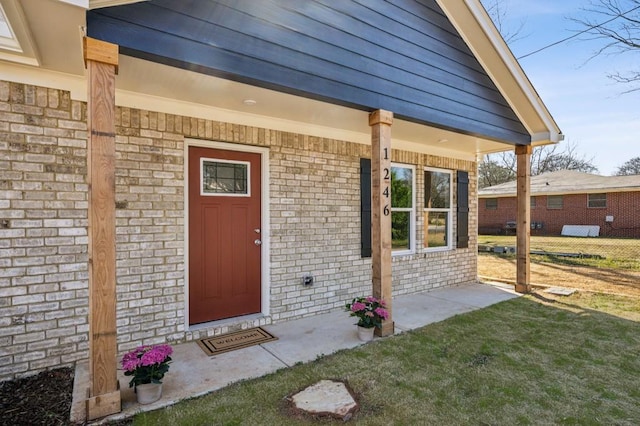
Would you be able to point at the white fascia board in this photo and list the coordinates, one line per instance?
(79, 3)
(544, 138)
(75, 84)
(96, 4)
(481, 36)
(20, 59)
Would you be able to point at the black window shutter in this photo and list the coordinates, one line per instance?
(365, 207)
(462, 240)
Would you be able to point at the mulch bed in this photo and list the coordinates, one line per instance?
(44, 399)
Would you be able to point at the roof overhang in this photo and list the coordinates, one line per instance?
(96, 4)
(175, 91)
(559, 192)
(566, 182)
(481, 35)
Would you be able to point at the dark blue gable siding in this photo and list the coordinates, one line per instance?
(403, 55)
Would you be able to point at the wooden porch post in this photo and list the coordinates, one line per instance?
(523, 228)
(380, 122)
(101, 60)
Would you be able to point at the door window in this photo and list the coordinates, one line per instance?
(224, 177)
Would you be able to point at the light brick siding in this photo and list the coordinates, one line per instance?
(623, 206)
(43, 236)
(314, 208)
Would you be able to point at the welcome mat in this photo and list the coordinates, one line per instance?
(236, 340)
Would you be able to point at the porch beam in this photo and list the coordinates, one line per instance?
(101, 61)
(523, 216)
(380, 122)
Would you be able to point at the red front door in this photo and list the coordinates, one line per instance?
(224, 234)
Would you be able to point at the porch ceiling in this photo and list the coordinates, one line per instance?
(157, 87)
(281, 111)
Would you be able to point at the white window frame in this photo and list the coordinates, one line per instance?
(224, 194)
(449, 212)
(411, 210)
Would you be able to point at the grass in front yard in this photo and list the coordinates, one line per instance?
(531, 360)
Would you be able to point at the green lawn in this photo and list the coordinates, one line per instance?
(530, 360)
(617, 252)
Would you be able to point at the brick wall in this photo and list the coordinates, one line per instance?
(43, 238)
(315, 227)
(315, 218)
(149, 228)
(623, 206)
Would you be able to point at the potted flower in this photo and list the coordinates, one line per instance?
(147, 365)
(371, 312)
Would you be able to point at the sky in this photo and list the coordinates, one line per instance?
(591, 110)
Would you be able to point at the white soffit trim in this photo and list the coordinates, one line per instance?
(472, 21)
(543, 138)
(77, 86)
(80, 3)
(96, 4)
(188, 109)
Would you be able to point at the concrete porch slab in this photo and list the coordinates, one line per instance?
(193, 373)
(417, 310)
(306, 339)
(422, 309)
(475, 295)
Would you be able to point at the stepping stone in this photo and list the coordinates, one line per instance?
(561, 291)
(327, 397)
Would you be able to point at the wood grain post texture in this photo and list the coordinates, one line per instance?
(380, 122)
(523, 216)
(101, 60)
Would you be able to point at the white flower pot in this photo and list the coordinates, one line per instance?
(148, 392)
(365, 334)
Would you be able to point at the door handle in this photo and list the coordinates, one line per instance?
(257, 242)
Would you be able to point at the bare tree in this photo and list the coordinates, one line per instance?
(492, 171)
(617, 23)
(499, 168)
(551, 158)
(498, 11)
(631, 167)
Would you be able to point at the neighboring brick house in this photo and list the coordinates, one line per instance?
(566, 197)
(261, 117)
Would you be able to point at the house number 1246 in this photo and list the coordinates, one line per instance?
(386, 178)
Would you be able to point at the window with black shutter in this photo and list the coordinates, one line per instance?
(462, 240)
(365, 207)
